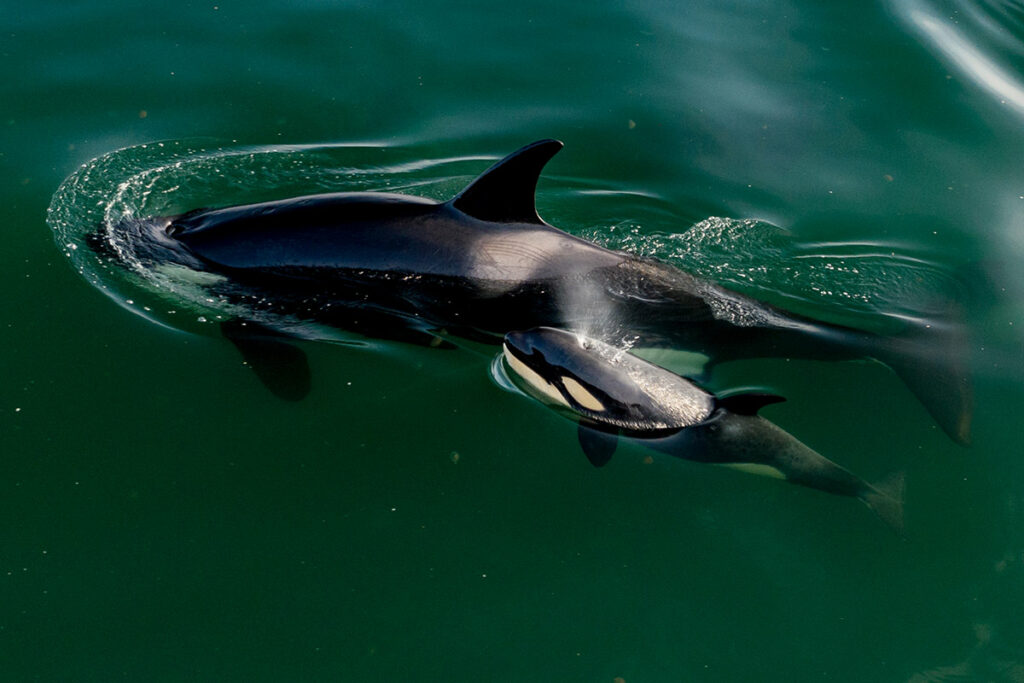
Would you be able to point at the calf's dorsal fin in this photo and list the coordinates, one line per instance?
(504, 193)
(748, 403)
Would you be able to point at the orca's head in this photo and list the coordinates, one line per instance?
(603, 383)
(143, 241)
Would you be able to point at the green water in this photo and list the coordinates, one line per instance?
(164, 518)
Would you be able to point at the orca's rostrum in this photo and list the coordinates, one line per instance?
(483, 264)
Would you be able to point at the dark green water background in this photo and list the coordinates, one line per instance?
(163, 518)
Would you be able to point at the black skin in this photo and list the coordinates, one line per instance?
(413, 260)
(613, 394)
(483, 264)
(728, 438)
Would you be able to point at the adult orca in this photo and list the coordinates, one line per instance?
(614, 394)
(478, 266)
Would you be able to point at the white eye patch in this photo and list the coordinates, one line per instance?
(582, 396)
(534, 380)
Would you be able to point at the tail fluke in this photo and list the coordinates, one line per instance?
(933, 363)
(886, 499)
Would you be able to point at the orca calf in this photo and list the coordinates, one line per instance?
(613, 394)
(478, 266)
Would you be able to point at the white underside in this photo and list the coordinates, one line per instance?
(755, 468)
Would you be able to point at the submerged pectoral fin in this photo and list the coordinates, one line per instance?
(279, 364)
(598, 445)
(760, 469)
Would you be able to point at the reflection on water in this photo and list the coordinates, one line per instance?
(859, 284)
(973, 38)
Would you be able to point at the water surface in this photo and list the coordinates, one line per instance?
(166, 518)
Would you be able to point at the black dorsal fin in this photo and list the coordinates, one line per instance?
(504, 193)
(748, 403)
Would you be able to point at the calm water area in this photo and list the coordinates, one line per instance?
(163, 517)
